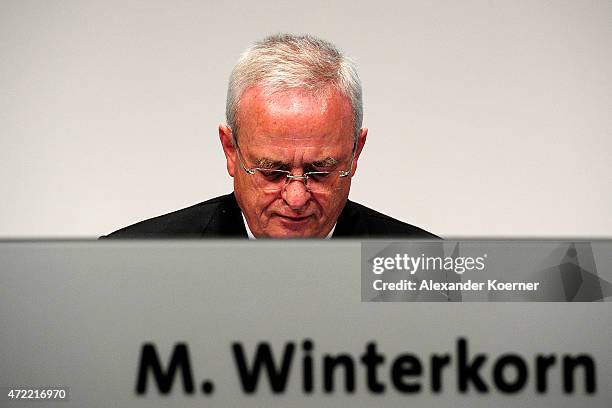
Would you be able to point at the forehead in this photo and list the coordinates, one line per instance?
(295, 118)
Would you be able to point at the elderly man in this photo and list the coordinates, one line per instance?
(292, 142)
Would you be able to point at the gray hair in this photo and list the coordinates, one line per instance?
(284, 61)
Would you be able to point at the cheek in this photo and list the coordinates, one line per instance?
(264, 205)
(334, 203)
(261, 205)
(329, 203)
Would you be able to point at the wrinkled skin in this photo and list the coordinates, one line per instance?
(298, 130)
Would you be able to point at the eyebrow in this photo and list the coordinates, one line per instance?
(266, 163)
(328, 162)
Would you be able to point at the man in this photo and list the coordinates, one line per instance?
(292, 142)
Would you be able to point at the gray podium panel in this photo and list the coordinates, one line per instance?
(78, 315)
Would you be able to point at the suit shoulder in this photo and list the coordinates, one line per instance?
(379, 225)
(189, 221)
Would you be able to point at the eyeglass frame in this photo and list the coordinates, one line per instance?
(289, 177)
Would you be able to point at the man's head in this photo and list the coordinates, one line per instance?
(294, 105)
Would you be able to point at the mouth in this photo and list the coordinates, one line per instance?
(294, 222)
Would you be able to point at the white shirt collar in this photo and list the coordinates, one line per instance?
(251, 236)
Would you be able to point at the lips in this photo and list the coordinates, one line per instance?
(294, 219)
(294, 223)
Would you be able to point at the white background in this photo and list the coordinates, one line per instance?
(487, 118)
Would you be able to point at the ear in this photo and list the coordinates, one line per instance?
(363, 135)
(227, 142)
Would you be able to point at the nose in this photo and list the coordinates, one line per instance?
(296, 195)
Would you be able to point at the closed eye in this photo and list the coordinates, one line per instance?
(272, 174)
(318, 176)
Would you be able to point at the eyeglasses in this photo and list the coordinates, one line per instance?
(275, 180)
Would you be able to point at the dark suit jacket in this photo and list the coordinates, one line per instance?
(221, 218)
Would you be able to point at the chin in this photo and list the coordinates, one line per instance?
(283, 234)
(292, 231)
